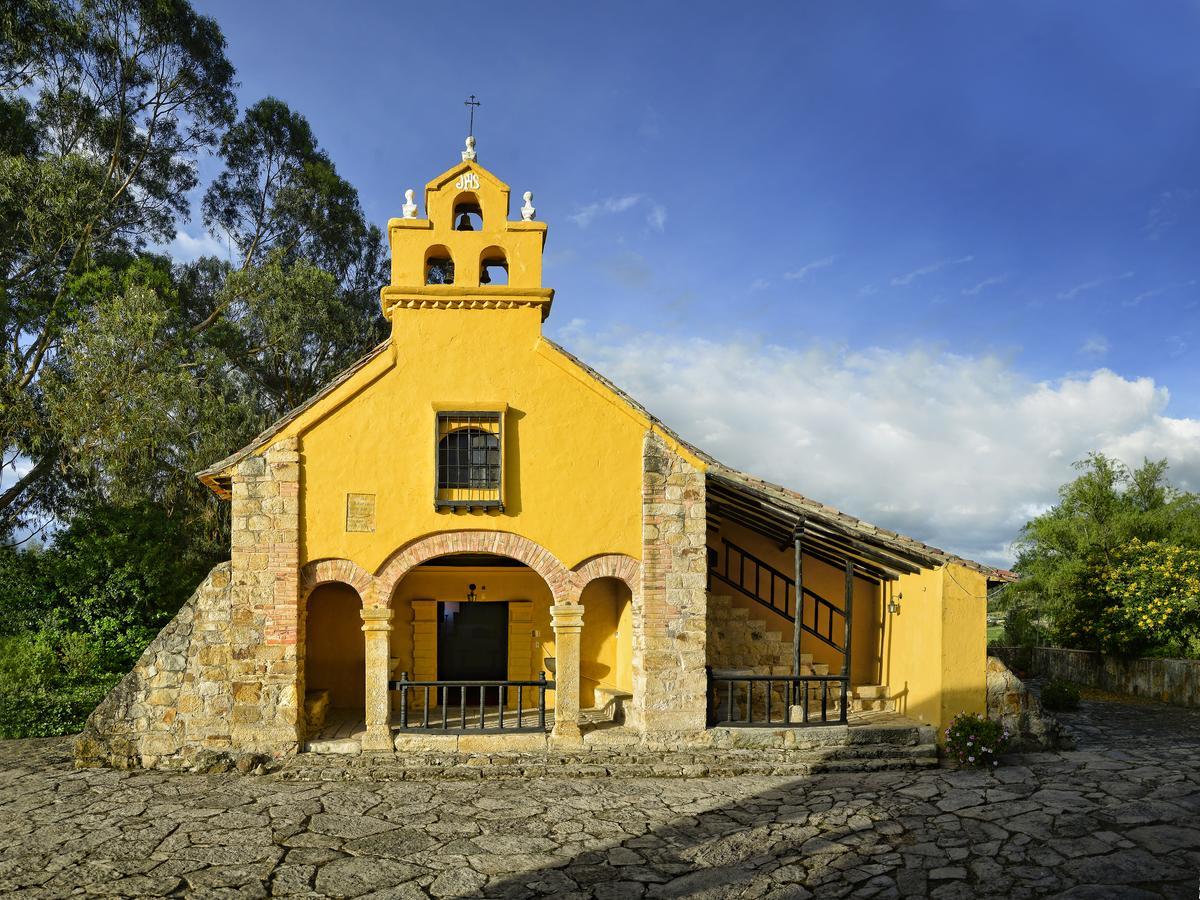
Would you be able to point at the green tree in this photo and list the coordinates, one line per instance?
(1064, 555)
(125, 93)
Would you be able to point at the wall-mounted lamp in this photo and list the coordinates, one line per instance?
(470, 593)
(472, 596)
(894, 604)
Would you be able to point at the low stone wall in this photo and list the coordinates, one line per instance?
(176, 707)
(1014, 706)
(178, 698)
(1174, 681)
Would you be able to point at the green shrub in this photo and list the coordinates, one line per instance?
(975, 741)
(50, 680)
(1060, 695)
(1021, 628)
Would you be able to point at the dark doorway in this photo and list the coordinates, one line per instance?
(472, 646)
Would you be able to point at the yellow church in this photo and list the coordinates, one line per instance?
(472, 540)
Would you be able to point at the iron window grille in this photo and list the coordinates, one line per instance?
(469, 460)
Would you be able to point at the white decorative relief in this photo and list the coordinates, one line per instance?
(528, 210)
(410, 207)
(467, 181)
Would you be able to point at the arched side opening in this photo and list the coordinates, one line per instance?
(468, 214)
(439, 265)
(335, 655)
(606, 643)
(493, 267)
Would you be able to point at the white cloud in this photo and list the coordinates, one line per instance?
(1095, 345)
(1154, 292)
(759, 284)
(910, 277)
(186, 248)
(1168, 208)
(608, 206)
(800, 273)
(657, 217)
(958, 451)
(984, 285)
(1072, 292)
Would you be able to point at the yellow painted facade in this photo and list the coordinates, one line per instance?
(573, 485)
(934, 647)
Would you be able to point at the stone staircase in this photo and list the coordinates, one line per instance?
(740, 642)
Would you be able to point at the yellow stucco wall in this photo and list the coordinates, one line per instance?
(935, 647)
(572, 457)
(964, 642)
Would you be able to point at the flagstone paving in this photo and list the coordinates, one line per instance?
(1118, 817)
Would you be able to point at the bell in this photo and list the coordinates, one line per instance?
(464, 223)
(484, 277)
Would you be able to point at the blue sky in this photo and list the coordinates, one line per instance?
(951, 245)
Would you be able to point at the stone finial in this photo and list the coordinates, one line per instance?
(528, 210)
(410, 206)
(469, 154)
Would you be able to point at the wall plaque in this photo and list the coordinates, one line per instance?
(360, 512)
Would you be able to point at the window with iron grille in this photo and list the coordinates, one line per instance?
(469, 461)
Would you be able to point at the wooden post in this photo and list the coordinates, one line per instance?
(848, 609)
(796, 627)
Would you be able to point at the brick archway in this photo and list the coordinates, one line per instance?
(609, 565)
(326, 571)
(498, 543)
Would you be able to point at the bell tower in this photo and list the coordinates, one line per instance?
(466, 253)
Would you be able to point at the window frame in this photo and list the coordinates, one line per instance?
(485, 498)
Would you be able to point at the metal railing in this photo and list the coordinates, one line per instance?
(765, 700)
(764, 584)
(449, 699)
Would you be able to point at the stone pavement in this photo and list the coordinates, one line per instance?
(1118, 817)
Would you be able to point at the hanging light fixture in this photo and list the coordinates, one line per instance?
(470, 593)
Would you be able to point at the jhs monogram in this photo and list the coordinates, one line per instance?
(467, 181)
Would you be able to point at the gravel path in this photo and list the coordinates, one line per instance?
(1118, 817)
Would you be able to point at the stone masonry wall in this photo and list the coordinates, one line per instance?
(669, 683)
(225, 676)
(177, 700)
(1174, 681)
(267, 662)
(1014, 706)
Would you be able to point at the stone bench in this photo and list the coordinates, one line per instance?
(316, 705)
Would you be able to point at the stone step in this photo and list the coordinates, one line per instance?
(316, 766)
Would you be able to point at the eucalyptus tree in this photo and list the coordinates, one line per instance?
(303, 302)
(108, 104)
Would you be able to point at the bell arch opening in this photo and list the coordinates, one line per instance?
(468, 214)
(439, 265)
(493, 267)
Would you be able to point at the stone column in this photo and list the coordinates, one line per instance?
(670, 623)
(377, 632)
(567, 621)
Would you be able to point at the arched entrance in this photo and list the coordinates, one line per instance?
(334, 656)
(472, 617)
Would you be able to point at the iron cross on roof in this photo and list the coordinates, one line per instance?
(471, 103)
